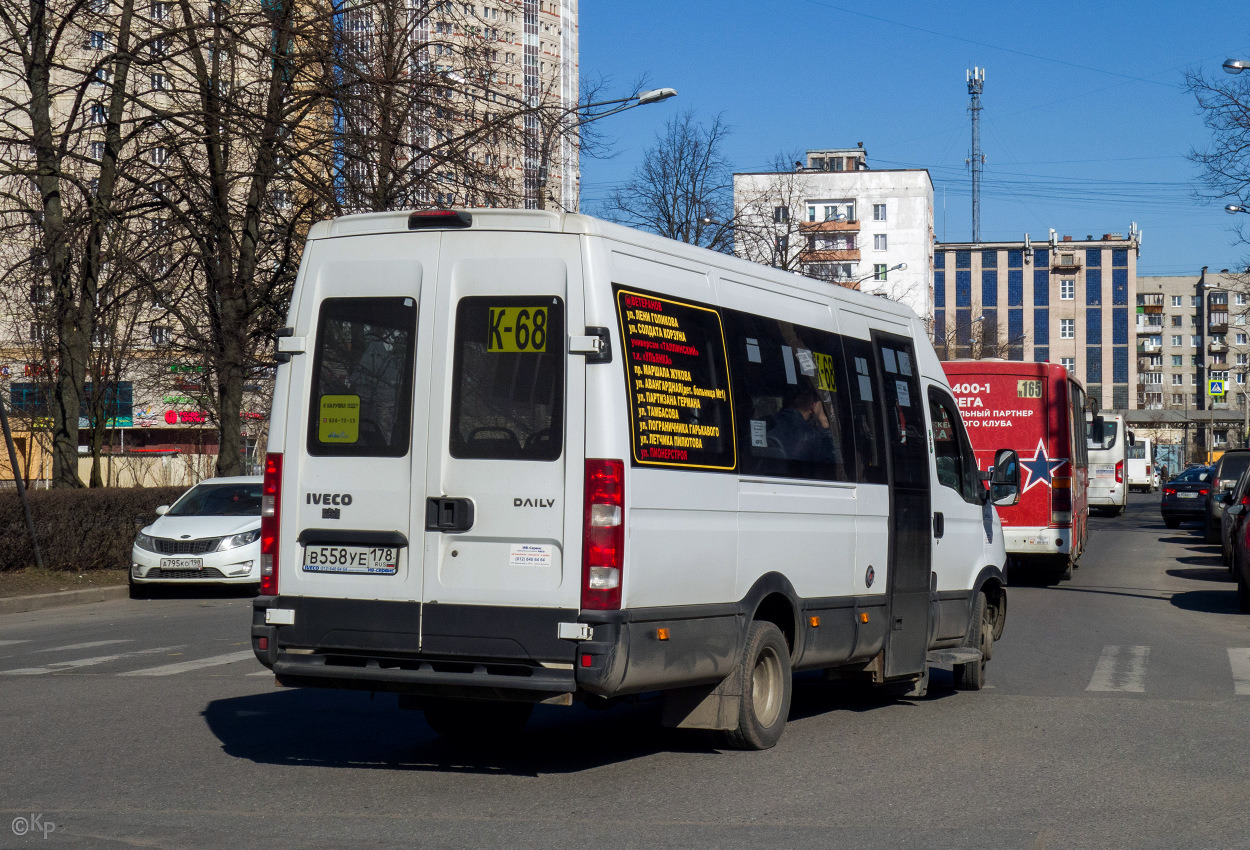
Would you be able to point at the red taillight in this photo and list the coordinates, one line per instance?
(270, 514)
(603, 534)
(1119, 472)
(1169, 491)
(1245, 500)
(1147, 469)
(1203, 492)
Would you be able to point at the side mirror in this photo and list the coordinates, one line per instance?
(1132, 438)
(1096, 424)
(1005, 479)
(162, 510)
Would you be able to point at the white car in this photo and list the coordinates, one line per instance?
(210, 535)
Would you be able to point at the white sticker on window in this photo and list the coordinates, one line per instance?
(904, 363)
(759, 433)
(887, 357)
(788, 359)
(529, 555)
(753, 350)
(807, 363)
(904, 397)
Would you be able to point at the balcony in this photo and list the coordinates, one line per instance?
(1150, 302)
(1150, 345)
(846, 255)
(828, 226)
(1217, 346)
(1148, 366)
(1218, 323)
(1066, 263)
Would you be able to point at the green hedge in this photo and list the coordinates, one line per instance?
(78, 530)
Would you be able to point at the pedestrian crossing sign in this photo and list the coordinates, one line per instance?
(1215, 387)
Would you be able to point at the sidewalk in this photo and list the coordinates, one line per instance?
(40, 601)
(34, 590)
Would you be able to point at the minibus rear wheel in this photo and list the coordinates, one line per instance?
(766, 683)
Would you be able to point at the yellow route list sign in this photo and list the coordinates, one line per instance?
(339, 419)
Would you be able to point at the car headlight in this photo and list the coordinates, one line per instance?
(234, 541)
(145, 541)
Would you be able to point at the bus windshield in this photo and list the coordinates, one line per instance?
(1102, 434)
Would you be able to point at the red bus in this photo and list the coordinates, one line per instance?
(1037, 409)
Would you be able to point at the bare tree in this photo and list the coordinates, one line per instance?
(770, 228)
(684, 187)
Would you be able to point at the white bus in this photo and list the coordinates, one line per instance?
(1141, 464)
(1109, 441)
(521, 457)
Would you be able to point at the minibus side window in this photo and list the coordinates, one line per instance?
(956, 463)
(361, 402)
(790, 388)
(868, 430)
(507, 399)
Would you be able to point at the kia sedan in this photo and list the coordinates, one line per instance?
(210, 535)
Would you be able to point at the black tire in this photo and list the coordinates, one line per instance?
(480, 721)
(767, 680)
(971, 677)
(140, 591)
(1170, 522)
(1243, 594)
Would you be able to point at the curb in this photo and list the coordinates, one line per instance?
(40, 601)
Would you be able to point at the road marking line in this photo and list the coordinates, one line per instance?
(1239, 660)
(57, 666)
(199, 663)
(11, 642)
(262, 673)
(88, 645)
(1121, 671)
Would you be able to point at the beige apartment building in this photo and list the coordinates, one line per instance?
(1063, 300)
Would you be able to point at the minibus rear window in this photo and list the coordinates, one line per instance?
(362, 377)
(508, 382)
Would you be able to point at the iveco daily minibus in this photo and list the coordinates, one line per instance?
(527, 457)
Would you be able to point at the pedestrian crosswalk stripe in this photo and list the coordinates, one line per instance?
(1239, 660)
(199, 663)
(88, 645)
(58, 666)
(1121, 669)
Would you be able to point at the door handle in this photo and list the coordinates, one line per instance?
(939, 524)
(448, 514)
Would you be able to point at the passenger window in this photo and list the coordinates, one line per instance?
(904, 415)
(790, 392)
(867, 427)
(362, 377)
(955, 461)
(507, 399)
(680, 407)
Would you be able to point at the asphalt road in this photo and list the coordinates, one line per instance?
(1113, 719)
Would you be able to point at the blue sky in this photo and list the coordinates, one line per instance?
(1085, 123)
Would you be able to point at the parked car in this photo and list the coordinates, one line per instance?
(210, 535)
(1235, 502)
(1241, 565)
(1184, 497)
(1225, 473)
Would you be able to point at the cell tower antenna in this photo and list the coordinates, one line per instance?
(976, 82)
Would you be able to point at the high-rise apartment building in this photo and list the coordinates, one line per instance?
(833, 218)
(1069, 301)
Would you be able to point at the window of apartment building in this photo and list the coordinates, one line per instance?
(157, 48)
(1242, 359)
(878, 212)
(161, 334)
(1195, 341)
(1194, 301)
(1067, 290)
(97, 150)
(39, 331)
(1152, 378)
(99, 7)
(1068, 363)
(878, 242)
(97, 40)
(1239, 319)
(1239, 298)
(878, 271)
(1177, 379)
(40, 294)
(1176, 301)
(781, 214)
(160, 153)
(101, 76)
(1178, 321)
(1067, 328)
(158, 82)
(96, 114)
(1194, 360)
(1176, 339)
(1193, 321)
(1219, 375)
(160, 11)
(1178, 360)
(1221, 359)
(1241, 377)
(281, 199)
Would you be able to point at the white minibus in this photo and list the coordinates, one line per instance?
(522, 457)
(1109, 441)
(1141, 464)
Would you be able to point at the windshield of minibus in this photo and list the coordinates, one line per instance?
(1102, 435)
